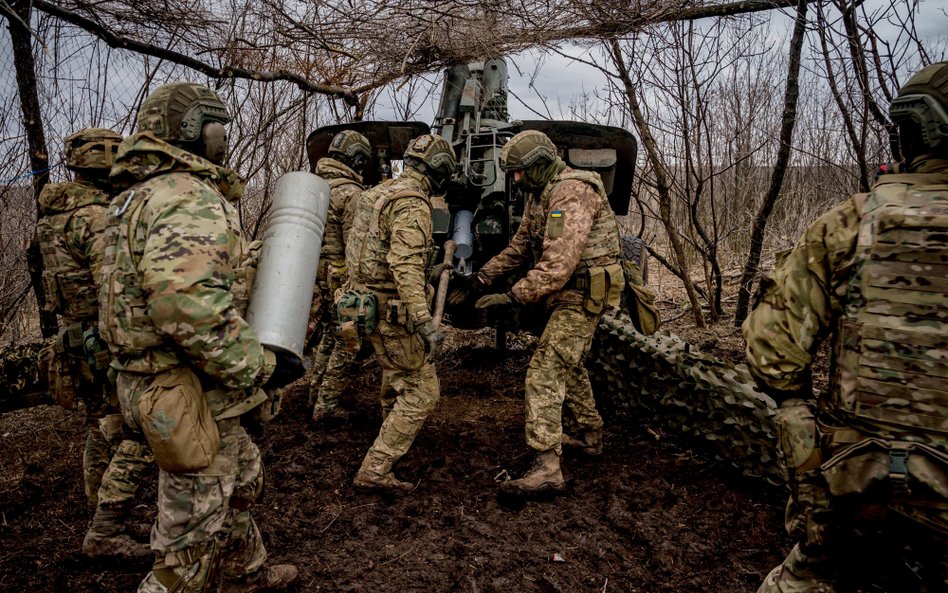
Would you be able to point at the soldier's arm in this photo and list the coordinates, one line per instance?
(409, 246)
(86, 238)
(576, 204)
(799, 303)
(186, 275)
(513, 255)
(351, 195)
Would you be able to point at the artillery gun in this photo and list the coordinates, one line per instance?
(481, 208)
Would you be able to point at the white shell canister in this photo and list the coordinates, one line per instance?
(286, 273)
(463, 235)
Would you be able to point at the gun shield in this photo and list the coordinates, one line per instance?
(286, 273)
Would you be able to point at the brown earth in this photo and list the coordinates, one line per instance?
(651, 515)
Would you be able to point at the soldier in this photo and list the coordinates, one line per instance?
(188, 365)
(348, 153)
(867, 462)
(388, 255)
(70, 233)
(570, 236)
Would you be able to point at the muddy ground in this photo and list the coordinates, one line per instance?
(650, 516)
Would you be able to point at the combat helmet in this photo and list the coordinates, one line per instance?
(187, 115)
(434, 156)
(351, 148)
(921, 111)
(92, 150)
(527, 149)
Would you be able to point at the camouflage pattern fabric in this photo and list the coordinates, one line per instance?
(20, 371)
(881, 486)
(178, 272)
(569, 226)
(71, 234)
(557, 375)
(331, 361)
(389, 253)
(123, 476)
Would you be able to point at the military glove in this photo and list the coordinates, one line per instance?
(434, 276)
(468, 288)
(494, 300)
(289, 368)
(432, 337)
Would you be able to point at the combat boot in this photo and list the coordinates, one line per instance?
(369, 481)
(267, 578)
(106, 538)
(589, 442)
(544, 477)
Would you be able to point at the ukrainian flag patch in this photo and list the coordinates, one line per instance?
(556, 214)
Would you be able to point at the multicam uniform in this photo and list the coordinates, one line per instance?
(70, 234)
(388, 253)
(172, 308)
(571, 235)
(873, 450)
(332, 360)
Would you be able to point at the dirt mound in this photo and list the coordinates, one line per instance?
(649, 516)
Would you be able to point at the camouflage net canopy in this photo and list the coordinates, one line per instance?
(688, 393)
(22, 381)
(345, 48)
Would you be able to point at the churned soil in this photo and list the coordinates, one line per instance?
(651, 515)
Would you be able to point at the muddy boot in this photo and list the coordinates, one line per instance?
(268, 578)
(105, 538)
(588, 442)
(369, 481)
(544, 477)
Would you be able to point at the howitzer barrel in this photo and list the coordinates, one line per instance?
(286, 274)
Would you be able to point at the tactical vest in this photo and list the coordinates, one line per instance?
(367, 249)
(123, 321)
(336, 176)
(603, 239)
(67, 281)
(891, 371)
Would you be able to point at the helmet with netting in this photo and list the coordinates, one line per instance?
(350, 147)
(526, 149)
(176, 112)
(435, 153)
(921, 109)
(92, 150)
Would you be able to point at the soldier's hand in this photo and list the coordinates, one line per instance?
(434, 276)
(432, 337)
(289, 368)
(467, 288)
(493, 300)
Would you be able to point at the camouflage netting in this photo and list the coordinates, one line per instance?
(687, 392)
(20, 376)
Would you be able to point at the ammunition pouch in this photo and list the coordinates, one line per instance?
(96, 352)
(357, 316)
(177, 422)
(798, 444)
(112, 427)
(601, 287)
(60, 374)
(640, 301)
(909, 469)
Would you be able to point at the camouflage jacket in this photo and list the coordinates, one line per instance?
(801, 301)
(390, 244)
(569, 226)
(174, 252)
(70, 234)
(345, 186)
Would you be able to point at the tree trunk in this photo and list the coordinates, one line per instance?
(18, 24)
(780, 167)
(661, 182)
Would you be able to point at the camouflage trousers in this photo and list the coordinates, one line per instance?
(855, 541)
(331, 366)
(204, 529)
(99, 448)
(410, 391)
(123, 476)
(557, 375)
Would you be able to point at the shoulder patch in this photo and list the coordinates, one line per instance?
(556, 214)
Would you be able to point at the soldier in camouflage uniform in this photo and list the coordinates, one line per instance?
(70, 233)
(388, 254)
(570, 237)
(348, 153)
(867, 462)
(188, 365)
